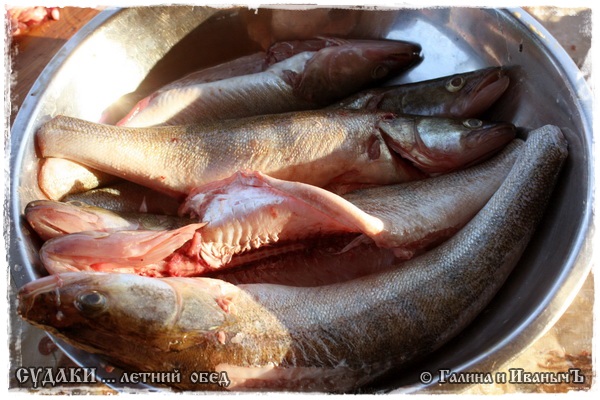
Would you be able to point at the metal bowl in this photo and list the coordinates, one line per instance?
(139, 49)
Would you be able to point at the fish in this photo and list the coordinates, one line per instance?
(307, 80)
(139, 251)
(127, 197)
(224, 90)
(248, 213)
(252, 63)
(463, 95)
(334, 338)
(321, 148)
(317, 262)
(52, 219)
(58, 178)
(244, 65)
(128, 105)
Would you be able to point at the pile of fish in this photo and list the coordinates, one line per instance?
(284, 220)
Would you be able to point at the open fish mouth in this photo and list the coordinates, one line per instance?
(43, 220)
(480, 93)
(493, 85)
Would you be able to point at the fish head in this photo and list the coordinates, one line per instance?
(336, 72)
(476, 91)
(92, 308)
(152, 324)
(51, 219)
(113, 313)
(143, 251)
(440, 145)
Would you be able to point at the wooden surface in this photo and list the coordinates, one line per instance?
(566, 345)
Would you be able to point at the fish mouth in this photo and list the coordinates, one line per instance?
(410, 51)
(491, 86)
(40, 285)
(43, 302)
(483, 93)
(395, 55)
(410, 58)
(30, 294)
(481, 144)
(473, 147)
(48, 218)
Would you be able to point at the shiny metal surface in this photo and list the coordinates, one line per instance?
(140, 49)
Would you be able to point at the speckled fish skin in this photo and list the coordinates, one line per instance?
(333, 338)
(324, 147)
(308, 80)
(127, 197)
(465, 95)
(318, 262)
(404, 217)
(126, 107)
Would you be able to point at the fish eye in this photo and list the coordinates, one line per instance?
(455, 84)
(380, 71)
(473, 123)
(90, 302)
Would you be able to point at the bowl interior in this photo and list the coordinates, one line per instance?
(101, 68)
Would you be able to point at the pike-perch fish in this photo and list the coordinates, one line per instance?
(248, 214)
(307, 80)
(291, 76)
(464, 95)
(325, 148)
(333, 338)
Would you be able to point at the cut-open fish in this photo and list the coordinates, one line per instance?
(334, 338)
(249, 211)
